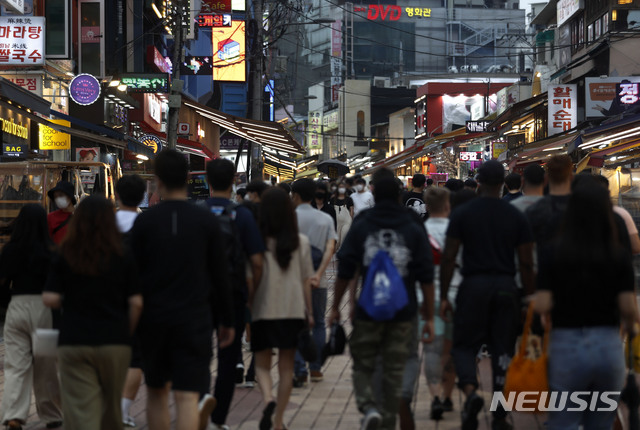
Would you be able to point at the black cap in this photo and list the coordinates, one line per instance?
(491, 173)
(66, 188)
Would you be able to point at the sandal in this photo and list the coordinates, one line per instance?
(265, 422)
(13, 425)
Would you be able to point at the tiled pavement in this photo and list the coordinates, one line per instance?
(327, 405)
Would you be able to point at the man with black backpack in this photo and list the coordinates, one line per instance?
(390, 248)
(243, 244)
(321, 231)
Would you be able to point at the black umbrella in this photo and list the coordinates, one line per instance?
(630, 394)
(333, 168)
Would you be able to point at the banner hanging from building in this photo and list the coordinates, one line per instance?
(315, 130)
(563, 108)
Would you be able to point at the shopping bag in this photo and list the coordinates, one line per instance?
(526, 374)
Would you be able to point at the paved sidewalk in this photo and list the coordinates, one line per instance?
(326, 405)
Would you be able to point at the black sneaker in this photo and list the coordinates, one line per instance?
(447, 405)
(299, 381)
(239, 373)
(501, 424)
(436, 409)
(472, 408)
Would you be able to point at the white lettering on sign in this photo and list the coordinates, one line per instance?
(628, 93)
(470, 156)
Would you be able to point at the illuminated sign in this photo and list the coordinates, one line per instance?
(563, 108)
(153, 142)
(154, 56)
(385, 12)
(477, 126)
(209, 6)
(12, 150)
(603, 95)
(50, 139)
(202, 65)
(229, 53)
(146, 82)
(471, 156)
(628, 93)
(84, 89)
(315, 129)
(22, 40)
(9, 126)
(215, 20)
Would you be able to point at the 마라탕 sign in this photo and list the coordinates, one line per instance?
(22, 40)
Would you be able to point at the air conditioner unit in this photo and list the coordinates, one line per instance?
(452, 69)
(381, 82)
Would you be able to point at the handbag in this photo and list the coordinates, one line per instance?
(525, 374)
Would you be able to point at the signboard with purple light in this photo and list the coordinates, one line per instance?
(84, 89)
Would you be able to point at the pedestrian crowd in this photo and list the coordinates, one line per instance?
(435, 277)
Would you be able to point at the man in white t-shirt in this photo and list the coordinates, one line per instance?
(362, 198)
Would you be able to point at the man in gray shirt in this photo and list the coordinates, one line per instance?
(533, 188)
(321, 231)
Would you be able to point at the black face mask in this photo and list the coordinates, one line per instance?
(321, 196)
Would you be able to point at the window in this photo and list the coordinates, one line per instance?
(91, 30)
(57, 28)
(360, 125)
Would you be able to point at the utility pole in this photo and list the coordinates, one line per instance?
(253, 150)
(175, 98)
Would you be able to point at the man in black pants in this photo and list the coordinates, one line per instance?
(242, 231)
(184, 280)
(490, 231)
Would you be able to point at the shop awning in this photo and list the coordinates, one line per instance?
(266, 133)
(518, 110)
(23, 98)
(439, 139)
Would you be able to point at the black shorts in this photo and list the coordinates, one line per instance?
(281, 334)
(136, 354)
(180, 354)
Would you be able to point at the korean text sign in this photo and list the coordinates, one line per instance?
(563, 108)
(22, 40)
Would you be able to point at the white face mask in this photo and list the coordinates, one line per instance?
(247, 197)
(342, 190)
(62, 202)
(359, 187)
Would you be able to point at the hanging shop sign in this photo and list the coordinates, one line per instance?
(477, 126)
(151, 141)
(563, 109)
(315, 130)
(229, 53)
(159, 61)
(209, 6)
(567, 8)
(31, 83)
(14, 150)
(215, 20)
(497, 149)
(146, 82)
(84, 89)
(230, 143)
(50, 139)
(22, 41)
(184, 128)
(471, 156)
(421, 118)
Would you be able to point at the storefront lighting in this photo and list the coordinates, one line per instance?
(114, 83)
(156, 10)
(552, 149)
(623, 134)
(614, 15)
(142, 157)
(122, 87)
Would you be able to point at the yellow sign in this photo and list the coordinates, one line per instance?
(51, 139)
(229, 52)
(17, 129)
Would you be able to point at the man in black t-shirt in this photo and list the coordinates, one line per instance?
(185, 283)
(490, 231)
(414, 199)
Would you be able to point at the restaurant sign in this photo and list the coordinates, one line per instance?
(563, 109)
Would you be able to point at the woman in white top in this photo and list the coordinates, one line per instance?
(282, 301)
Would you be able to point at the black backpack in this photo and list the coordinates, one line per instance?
(233, 247)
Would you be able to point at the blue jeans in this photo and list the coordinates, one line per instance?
(319, 304)
(585, 359)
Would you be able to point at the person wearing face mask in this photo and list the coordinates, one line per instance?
(63, 196)
(343, 206)
(321, 202)
(362, 198)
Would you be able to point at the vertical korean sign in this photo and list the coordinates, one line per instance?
(315, 130)
(563, 109)
(22, 41)
(336, 59)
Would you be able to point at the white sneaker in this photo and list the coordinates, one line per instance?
(372, 420)
(128, 422)
(222, 427)
(205, 408)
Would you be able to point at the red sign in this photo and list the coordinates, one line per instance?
(384, 11)
(184, 128)
(215, 20)
(209, 6)
(154, 56)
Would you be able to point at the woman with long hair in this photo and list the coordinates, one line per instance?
(282, 301)
(24, 266)
(586, 282)
(343, 206)
(101, 308)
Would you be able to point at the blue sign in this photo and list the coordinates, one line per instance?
(152, 141)
(84, 89)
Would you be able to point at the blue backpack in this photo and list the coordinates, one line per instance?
(383, 292)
